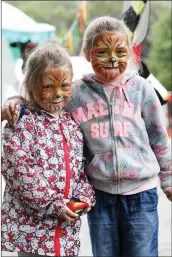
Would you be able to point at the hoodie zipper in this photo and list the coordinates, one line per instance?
(68, 173)
(110, 106)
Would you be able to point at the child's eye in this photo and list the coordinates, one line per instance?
(121, 53)
(64, 86)
(102, 52)
(47, 87)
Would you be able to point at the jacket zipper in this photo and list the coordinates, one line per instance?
(110, 105)
(68, 172)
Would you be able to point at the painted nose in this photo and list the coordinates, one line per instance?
(58, 96)
(112, 59)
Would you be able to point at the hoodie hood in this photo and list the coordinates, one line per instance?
(119, 85)
(127, 75)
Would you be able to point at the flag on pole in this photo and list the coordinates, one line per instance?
(136, 16)
(69, 40)
(84, 10)
(74, 34)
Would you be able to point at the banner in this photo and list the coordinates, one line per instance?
(74, 34)
(136, 16)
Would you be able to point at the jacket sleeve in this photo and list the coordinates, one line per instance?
(84, 188)
(155, 125)
(31, 187)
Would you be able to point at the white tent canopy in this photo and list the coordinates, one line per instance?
(19, 27)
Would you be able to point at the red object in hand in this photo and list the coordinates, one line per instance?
(77, 206)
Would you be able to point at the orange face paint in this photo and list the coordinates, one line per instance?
(109, 55)
(56, 89)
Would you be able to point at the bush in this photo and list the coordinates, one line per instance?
(160, 57)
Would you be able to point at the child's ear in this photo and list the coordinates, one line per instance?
(87, 54)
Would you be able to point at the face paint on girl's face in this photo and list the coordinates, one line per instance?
(109, 55)
(56, 89)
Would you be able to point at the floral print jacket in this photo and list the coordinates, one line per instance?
(42, 163)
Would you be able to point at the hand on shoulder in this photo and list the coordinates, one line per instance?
(10, 112)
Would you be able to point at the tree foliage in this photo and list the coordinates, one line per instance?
(61, 14)
(58, 13)
(160, 57)
(156, 49)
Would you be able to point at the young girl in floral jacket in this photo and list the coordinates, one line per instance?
(43, 164)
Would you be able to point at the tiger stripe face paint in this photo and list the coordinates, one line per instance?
(109, 55)
(56, 89)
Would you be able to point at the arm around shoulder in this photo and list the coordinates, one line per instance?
(10, 110)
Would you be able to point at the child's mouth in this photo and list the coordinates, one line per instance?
(56, 102)
(110, 68)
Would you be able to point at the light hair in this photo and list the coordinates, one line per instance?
(107, 24)
(47, 55)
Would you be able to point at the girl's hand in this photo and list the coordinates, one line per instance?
(10, 112)
(168, 193)
(67, 214)
(86, 200)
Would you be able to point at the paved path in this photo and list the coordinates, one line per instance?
(164, 208)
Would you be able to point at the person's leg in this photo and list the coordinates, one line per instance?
(139, 224)
(103, 225)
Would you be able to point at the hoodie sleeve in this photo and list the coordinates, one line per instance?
(31, 187)
(84, 188)
(155, 125)
(75, 99)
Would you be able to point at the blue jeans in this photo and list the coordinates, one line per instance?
(124, 225)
